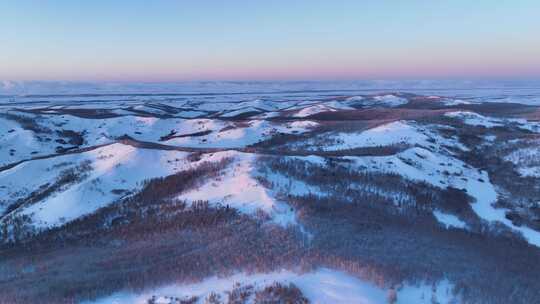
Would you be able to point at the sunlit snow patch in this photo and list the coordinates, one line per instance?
(238, 188)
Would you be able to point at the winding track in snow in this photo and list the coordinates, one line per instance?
(126, 140)
(486, 196)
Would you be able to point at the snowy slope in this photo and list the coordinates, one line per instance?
(239, 189)
(386, 100)
(527, 160)
(320, 287)
(475, 119)
(394, 133)
(183, 132)
(389, 134)
(240, 112)
(312, 110)
(442, 171)
(17, 143)
(449, 220)
(242, 135)
(115, 170)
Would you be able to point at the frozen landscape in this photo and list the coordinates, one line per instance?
(375, 192)
(269, 152)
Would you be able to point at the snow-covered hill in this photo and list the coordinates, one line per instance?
(325, 196)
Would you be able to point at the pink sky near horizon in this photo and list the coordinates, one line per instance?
(282, 40)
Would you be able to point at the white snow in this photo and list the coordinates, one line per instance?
(241, 135)
(142, 128)
(286, 185)
(353, 99)
(338, 105)
(527, 160)
(113, 167)
(317, 160)
(309, 108)
(394, 133)
(240, 111)
(442, 171)
(267, 115)
(532, 126)
(384, 135)
(265, 105)
(256, 104)
(322, 286)
(301, 125)
(223, 134)
(312, 110)
(389, 100)
(121, 167)
(239, 189)
(455, 102)
(17, 143)
(449, 220)
(475, 119)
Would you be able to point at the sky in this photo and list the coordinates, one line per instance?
(136, 40)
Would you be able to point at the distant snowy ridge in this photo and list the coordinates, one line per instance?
(523, 91)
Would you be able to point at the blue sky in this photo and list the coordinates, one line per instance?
(267, 40)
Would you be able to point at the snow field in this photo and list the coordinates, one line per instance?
(322, 286)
